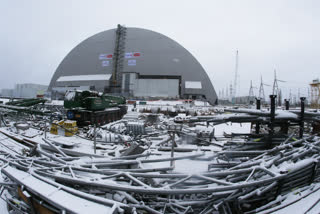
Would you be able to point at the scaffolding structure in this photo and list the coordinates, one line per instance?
(315, 93)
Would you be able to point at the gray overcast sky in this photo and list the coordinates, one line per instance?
(272, 34)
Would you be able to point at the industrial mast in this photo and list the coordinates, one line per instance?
(251, 94)
(236, 78)
(261, 90)
(275, 89)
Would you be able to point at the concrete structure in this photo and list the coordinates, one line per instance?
(29, 90)
(315, 93)
(134, 62)
(26, 90)
(7, 92)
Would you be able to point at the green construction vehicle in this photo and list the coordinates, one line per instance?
(91, 107)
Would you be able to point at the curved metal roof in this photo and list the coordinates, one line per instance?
(159, 56)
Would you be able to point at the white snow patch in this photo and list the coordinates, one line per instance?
(84, 77)
(229, 128)
(193, 84)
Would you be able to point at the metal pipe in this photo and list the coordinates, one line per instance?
(153, 191)
(178, 182)
(272, 117)
(142, 161)
(218, 181)
(45, 129)
(95, 138)
(287, 103)
(55, 147)
(301, 123)
(50, 156)
(267, 188)
(258, 103)
(172, 149)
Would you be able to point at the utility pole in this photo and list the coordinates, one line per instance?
(279, 98)
(275, 87)
(262, 96)
(231, 93)
(227, 93)
(251, 94)
(222, 94)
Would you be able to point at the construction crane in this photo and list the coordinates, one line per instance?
(118, 57)
(91, 107)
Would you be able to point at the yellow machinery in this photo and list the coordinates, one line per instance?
(70, 127)
(55, 126)
(67, 128)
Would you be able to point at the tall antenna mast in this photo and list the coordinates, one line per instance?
(251, 94)
(231, 93)
(261, 90)
(236, 76)
(227, 93)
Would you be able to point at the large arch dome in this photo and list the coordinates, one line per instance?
(149, 64)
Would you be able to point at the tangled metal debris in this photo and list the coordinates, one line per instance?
(164, 167)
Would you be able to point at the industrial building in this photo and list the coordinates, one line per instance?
(6, 92)
(133, 62)
(25, 90)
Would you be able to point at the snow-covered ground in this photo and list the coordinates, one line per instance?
(298, 201)
(3, 207)
(186, 166)
(229, 128)
(55, 102)
(3, 204)
(4, 100)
